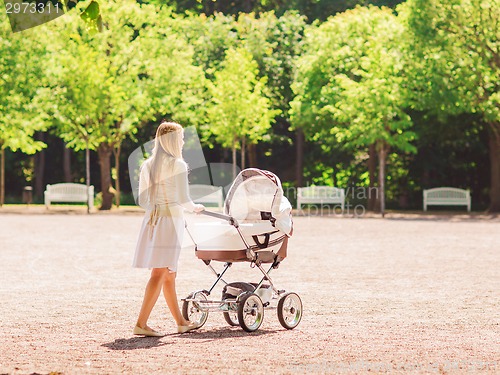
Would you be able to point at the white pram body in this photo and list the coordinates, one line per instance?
(220, 241)
(256, 202)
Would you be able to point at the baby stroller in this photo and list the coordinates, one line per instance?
(254, 228)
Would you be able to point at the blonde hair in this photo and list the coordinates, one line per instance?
(167, 149)
(169, 136)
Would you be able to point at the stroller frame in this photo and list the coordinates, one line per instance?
(242, 299)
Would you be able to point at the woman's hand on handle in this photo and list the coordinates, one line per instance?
(199, 208)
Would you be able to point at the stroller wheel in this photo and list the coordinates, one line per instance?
(230, 316)
(192, 311)
(250, 312)
(290, 310)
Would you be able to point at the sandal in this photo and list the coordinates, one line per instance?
(189, 327)
(147, 332)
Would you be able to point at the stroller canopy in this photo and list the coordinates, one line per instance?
(256, 195)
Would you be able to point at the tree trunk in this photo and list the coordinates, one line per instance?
(225, 155)
(104, 153)
(494, 145)
(243, 149)
(116, 151)
(252, 155)
(382, 156)
(67, 164)
(234, 159)
(2, 175)
(40, 168)
(87, 173)
(299, 156)
(210, 7)
(247, 8)
(372, 167)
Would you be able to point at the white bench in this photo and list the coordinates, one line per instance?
(320, 195)
(207, 194)
(69, 192)
(447, 196)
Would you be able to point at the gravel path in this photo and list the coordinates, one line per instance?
(414, 294)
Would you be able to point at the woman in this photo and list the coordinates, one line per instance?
(163, 192)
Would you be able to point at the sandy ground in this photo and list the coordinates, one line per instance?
(405, 294)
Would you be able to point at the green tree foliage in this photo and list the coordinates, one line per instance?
(275, 44)
(210, 38)
(20, 62)
(175, 82)
(92, 78)
(456, 43)
(240, 112)
(114, 69)
(108, 83)
(353, 89)
(312, 9)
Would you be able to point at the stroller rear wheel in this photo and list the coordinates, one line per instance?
(290, 310)
(250, 312)
(230, 316)
(192, 311)
(231, 291)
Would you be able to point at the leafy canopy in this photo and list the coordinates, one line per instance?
(239, 109)
(350, 81)
(20, 62)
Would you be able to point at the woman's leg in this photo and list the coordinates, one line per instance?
(171, 297)
(151, 294)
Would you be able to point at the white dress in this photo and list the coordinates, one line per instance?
(159, 246)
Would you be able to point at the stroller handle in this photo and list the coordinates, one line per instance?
(230, 219)
(217, 215)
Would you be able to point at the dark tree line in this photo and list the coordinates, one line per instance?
(451, 146)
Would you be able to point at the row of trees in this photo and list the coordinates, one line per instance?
(357, 85)
(311, 9)
(440, 57)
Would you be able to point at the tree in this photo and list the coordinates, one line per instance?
(239, 112)
(210, 37)
(312, 9)
(353, 90)
(19, 76)
(457, 46)
(275, 44)
(108, 83)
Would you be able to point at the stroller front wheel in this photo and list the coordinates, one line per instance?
(192, 311)
(250, 312)
(290, 310)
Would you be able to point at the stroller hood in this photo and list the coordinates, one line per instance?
(257, 194)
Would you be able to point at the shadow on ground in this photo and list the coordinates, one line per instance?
(135, 343)
(212, 335)
(225, 333)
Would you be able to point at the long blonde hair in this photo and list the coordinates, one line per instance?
(167, 149)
